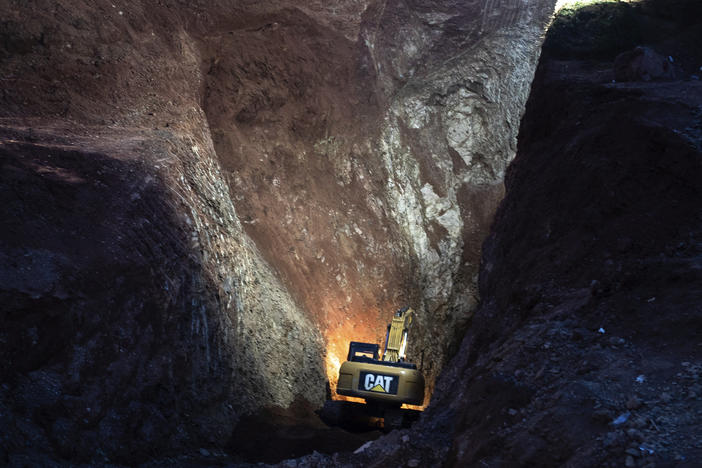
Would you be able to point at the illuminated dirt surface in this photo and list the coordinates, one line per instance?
(346, 159)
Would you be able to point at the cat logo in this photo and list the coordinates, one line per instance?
(378, 383)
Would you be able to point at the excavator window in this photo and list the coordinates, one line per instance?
(363, 351)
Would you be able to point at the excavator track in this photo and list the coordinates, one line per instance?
(362, 417)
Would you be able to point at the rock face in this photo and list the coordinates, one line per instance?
(455, 91)
(589, 300)
(585, 344)
(367, 168)
(138, 314)
(585, 349)
(207, 200)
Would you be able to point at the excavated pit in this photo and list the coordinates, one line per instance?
(206, 201)
(272, 180)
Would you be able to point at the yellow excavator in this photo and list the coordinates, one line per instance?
(387, 381)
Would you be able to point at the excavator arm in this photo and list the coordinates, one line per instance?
(396, 338)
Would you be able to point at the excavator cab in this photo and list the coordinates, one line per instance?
(363, 352)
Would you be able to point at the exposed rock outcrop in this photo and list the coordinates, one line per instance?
(643, 64)
(455, 89)
(585, 349)
(368, 170)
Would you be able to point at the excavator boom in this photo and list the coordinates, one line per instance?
(396, 338)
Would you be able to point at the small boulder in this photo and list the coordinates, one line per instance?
(642, 64)
(633, 403)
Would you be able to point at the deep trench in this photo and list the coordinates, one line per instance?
(185, 267)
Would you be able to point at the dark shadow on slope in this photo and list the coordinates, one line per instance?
(275, 434)
(96, 283)
(600, 31)
(590, 279)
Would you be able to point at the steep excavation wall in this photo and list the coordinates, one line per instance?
(138, 316)
(585, 349)
(210, 199)
(454, 78)
(366, 162)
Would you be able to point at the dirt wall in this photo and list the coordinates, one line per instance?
(208, 200)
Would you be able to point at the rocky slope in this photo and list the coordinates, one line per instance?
(139, 317)
(586, 348)
(367, 168)
(206, 200)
